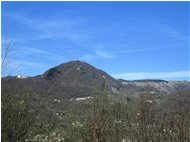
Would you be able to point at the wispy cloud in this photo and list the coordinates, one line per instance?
(31, 64)
(80, 31)
(20, 64)
(36, 60)
(27, 51)
(39, 52)
(165, 29)
(74, 30)
(159, 27)
(101, 51)
(71, 29)
(138, 50)
(104, 54)
(153, 75)
(135, 48)
(53, 28)
(15, 67)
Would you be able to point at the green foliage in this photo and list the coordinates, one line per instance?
(100, 119)
(16, 118)
(115, 121)
(51, 137)
(19, 119)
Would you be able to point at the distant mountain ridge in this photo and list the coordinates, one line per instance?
(161, 86)
(144, 80)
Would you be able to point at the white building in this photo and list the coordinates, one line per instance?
(21, 76)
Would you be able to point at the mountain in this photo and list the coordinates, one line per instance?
(70, 87)
(79, 79)
(161, 86)
(76, 76)
(68, 80)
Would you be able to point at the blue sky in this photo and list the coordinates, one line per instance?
(129, 40)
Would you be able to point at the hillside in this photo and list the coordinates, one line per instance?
(70, 89)
(72, 79)
(161, 86)
(79, 79)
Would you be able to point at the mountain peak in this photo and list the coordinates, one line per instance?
(75, 62)
(73, 70)
(67, 67)
(78, 73)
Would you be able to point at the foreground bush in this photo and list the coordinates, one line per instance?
(107, 121)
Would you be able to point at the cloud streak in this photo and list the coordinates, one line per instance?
(30, 51)
(104, 54)
(40, 53)
(20, 64)
(153, 75)
(53, 28)
(17, 66)
(139, 50)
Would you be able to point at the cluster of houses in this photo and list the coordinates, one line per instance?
(21, 76)
(81, 98)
